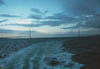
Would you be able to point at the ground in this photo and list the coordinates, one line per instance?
(87, 50)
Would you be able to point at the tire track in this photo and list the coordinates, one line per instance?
(45, 55)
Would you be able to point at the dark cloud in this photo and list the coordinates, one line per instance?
(8, 15)
(52, 23)
(37, 11)
(81, 7)
(27, 25)
(1, 2)
(54, 20)
(93, 22)
(14, 33)
(42, 23)
(3, 20)
(5, 31)
(73, 27)
(88, 22)
(62, 17)
(86, 10)
(35, 16)
(58, 19)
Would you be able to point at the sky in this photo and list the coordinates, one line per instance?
(49, 18)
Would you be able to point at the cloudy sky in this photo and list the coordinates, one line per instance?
(49, 18)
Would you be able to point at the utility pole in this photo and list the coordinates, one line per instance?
(79, 30)
(30, 32)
